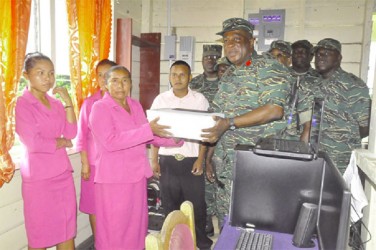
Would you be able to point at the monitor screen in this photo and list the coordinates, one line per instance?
(268, 192)
(334, 208)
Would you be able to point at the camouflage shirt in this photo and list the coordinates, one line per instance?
(258, 82)
(347, 107)
(205, 87)
(298, 108)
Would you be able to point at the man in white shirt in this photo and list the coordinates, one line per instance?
(181, 169)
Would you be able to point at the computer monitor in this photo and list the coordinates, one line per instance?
(268, 192)
(334, 208)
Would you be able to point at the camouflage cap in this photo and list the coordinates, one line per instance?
(329, 43)
(281, 45)
(222, 60)
(212, 50)
(302, 44)
(236, 23)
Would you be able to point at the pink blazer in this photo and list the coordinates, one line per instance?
(85, 140)
(38, 127)
(121, 139)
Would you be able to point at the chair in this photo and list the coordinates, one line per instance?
(178, 231)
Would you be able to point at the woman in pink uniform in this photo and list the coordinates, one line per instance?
(45, 128)
(121, 133)
(85, 145)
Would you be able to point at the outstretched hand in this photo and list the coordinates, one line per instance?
(160, 130)
(213, 134)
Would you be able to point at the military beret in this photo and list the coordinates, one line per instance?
(329, 43)
(236, 24)
(212, 50)
(302, 44)
(283, 46)
(222, 60)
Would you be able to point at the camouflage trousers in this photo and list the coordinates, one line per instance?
(222, 201)
(210, 193)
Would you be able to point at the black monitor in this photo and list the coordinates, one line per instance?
(268, 192)
(334, 208)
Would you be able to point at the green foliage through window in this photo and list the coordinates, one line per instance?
(61, 81)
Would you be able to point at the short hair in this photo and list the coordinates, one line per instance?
(116, 68)
(32, 58)
(181, 62)
(105, 62)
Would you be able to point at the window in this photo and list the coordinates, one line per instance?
(48, 33)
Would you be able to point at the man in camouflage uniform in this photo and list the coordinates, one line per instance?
(211, 182)
(252, 93)
(299, 106)
(347, 104)
(207, 82)
(221, 66)
(280, 50)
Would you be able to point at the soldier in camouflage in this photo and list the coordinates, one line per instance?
(211, 182)
(280, 50)
(299, 105)
(221, 66)
(207, 82)
(347, 104)
(252, 94)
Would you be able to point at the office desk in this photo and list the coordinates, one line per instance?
(229, 236)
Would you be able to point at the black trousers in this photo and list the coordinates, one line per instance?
(178, 184)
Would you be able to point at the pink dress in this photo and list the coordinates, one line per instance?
(85, 142)
(122, 167)
(47, 183)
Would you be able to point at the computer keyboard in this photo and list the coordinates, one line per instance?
(250, 240)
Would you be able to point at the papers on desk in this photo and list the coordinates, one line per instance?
(358, 197)
(184, 123)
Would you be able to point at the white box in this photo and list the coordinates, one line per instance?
(184, 123)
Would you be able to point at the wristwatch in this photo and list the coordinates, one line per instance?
(232, 123)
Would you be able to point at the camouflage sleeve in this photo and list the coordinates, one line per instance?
(194, 84)
(273, 83)
(305, 98)
(360, 102)
(217, 101)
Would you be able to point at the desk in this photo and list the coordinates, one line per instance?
(366, 161)
(229, 237)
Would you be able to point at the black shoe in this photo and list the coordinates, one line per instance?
(209, 229)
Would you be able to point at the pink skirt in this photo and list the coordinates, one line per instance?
(50, 210)
(87, 200)
(121, 215)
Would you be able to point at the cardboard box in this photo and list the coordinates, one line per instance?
(184, 123)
